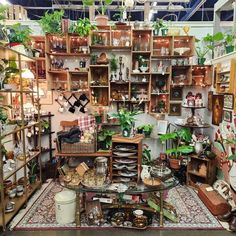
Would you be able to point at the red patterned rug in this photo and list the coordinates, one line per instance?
(191, 211)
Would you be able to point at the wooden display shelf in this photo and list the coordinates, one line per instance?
(192, 172)
(24, 163)
(120, 139)
(19, 202)
(67, 54)
(101, 47)
(94, 154)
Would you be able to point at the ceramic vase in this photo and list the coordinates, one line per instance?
(198, 147)
(145, 173)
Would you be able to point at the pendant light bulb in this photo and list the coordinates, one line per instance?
(129, 3)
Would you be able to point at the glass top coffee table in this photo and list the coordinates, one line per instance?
(130, 189)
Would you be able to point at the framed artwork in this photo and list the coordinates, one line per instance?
(176, 93)
(209, 104)
(217, 109)
(229, 101)
(175, 109)
(162, 126)
(46, 96)
(227, 115)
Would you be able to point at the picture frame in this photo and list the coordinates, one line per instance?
(228, 101)
(217, 109)
(209, 104)
(162, 126)
(176, 94)
(227, 116)
(175, 109)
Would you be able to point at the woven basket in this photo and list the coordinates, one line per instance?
(78, 147)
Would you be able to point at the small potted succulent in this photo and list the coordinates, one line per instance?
(181, 139)
(145, 129)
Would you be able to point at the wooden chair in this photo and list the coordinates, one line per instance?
(66, 125)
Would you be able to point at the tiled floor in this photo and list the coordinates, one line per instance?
(121, 232)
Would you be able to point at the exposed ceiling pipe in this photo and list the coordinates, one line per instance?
(196, 6)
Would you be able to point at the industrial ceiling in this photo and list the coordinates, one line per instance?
(175, 10)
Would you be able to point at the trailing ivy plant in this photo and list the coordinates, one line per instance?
(51, 22)
(82, 27)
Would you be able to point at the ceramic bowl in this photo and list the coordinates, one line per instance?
(143, 69)
(138, 213)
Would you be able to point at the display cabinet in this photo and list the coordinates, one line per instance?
(202, 75)
(126, 160)
(17, 182)
(200, 170)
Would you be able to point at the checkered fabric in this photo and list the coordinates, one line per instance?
(85, 122)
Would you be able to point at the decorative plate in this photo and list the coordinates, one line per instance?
(127, 174)
(125, 161)
(124, 154)
(124, 148)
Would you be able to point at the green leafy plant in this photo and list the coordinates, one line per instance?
(32, 166)
(181, 139)
(201, 49)
(142, 61)
(113, 62)
(146, 129)
(103, 5)
(209, 40)
(3, 9)
(44, 124)
(19, 34)
(105, 136)
(119, 15)
(126, 118)
(146, 156)
(3, 113)
(158, 24)
(229, 38)
(82, 27)
(51, 22)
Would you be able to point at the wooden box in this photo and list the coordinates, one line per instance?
(16, 12)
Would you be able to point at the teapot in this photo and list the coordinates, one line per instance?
(101, 166)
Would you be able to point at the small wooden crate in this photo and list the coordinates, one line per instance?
(78, 147)
(16, 12)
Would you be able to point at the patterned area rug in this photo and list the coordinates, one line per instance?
(191, 212)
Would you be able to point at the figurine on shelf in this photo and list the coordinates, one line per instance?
(190, 99)
(198, 100)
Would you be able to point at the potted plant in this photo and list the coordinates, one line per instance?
(51, 22)
(126, 119)
(181, 139)
(82, 27)
(145, 129)
(105, 139)
(201, 51)
(120, 17)
(113, 66)
(101, 18)
(211, 40)
(32, 171)
(3, 33)
(157, 25)
(229, 41)
(19, 37)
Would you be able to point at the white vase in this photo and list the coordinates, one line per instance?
(198, 147)
(232, 175)
(145, 173)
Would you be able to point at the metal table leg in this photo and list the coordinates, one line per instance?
(77, 216)
(161, 209)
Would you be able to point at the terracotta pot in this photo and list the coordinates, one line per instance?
(175, 163)
(101, 20)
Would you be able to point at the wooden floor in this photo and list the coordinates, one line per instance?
(116, 232)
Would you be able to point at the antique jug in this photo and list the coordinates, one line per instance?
(101, 165)
(145, 172)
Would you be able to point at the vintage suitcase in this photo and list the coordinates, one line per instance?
(213, 200)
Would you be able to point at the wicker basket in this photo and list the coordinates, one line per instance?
(78, 147)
